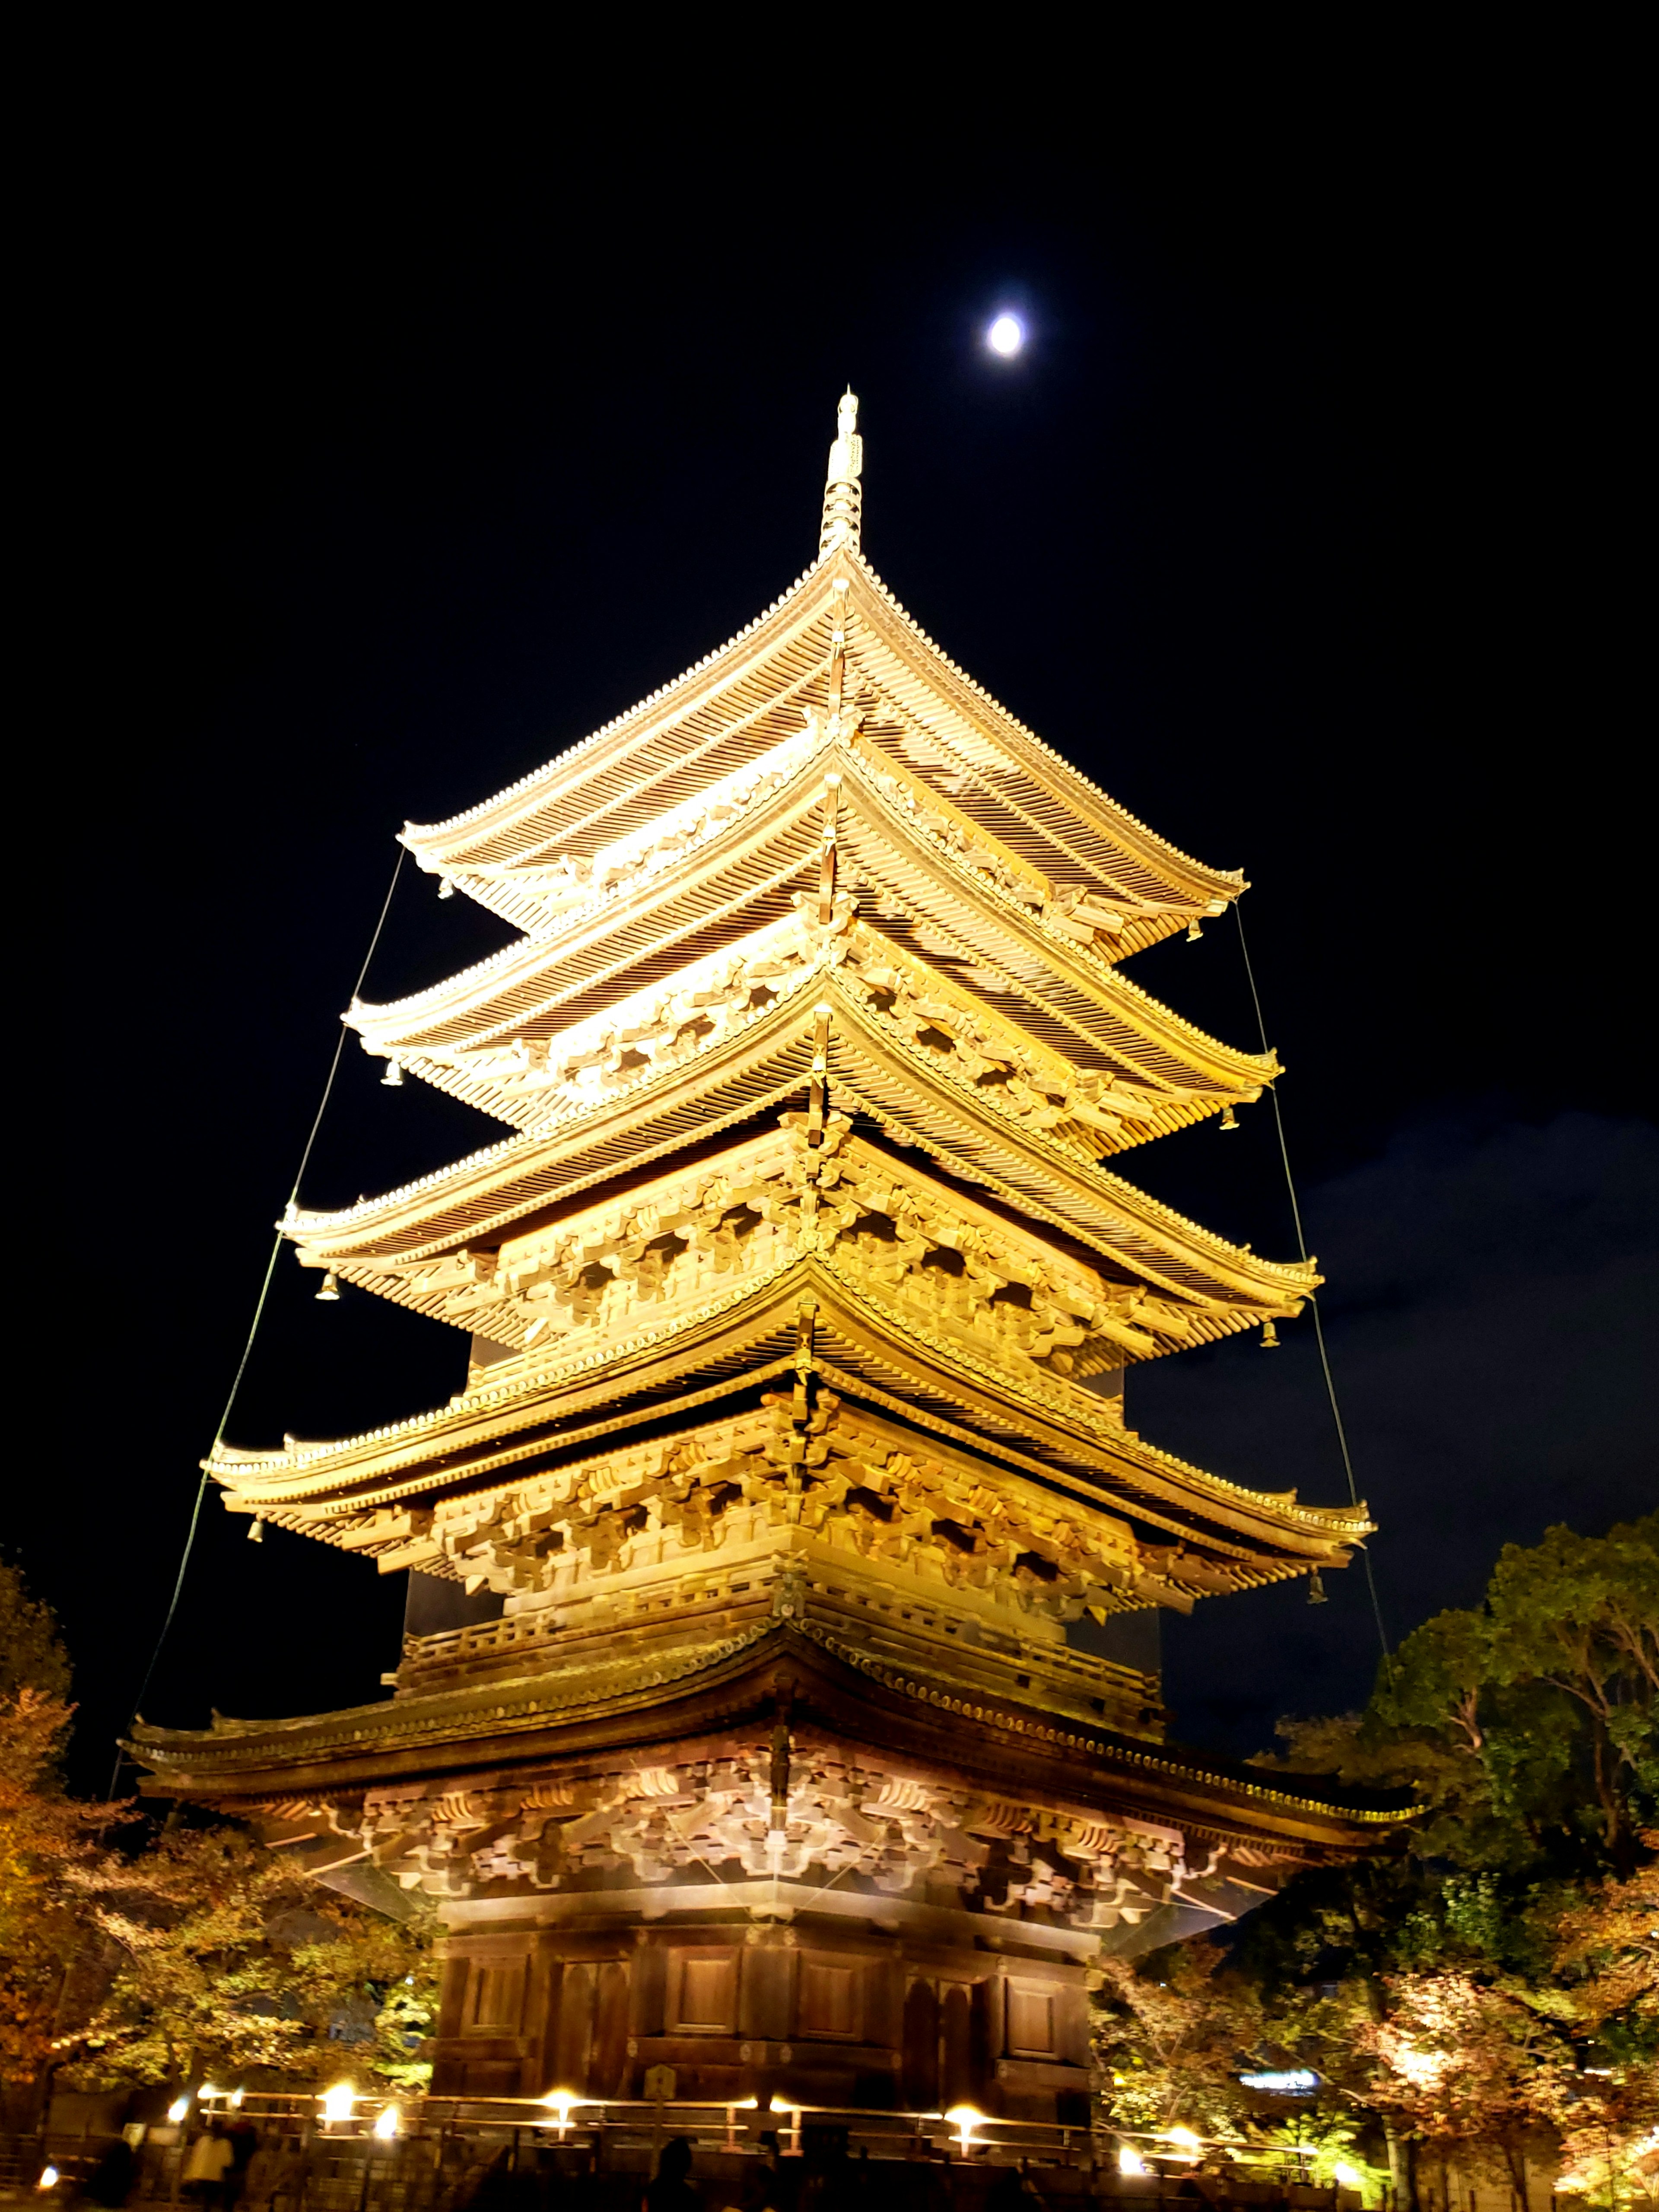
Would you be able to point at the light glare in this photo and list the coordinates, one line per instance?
(1005, 336)
(1292, 2082)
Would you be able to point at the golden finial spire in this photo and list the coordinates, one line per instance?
(843, 501)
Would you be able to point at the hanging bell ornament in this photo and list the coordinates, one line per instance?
(1229, 1119)
(393, 1076)
(1317, 1589)
(256, 1532)
(1194, 930)
(446, 889)
(1269, 1333)
(329, 1294)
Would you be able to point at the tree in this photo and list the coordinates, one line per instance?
(1607, 1957)
(1502, 1940)
(227, 1961)
(32, 1654)
(1169, 2035)
(1580, 1615)
(1526, 1729)
(44, 1836)
(184, 1952)
(1469, 2063)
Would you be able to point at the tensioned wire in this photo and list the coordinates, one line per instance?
(293, 1198)
(258, 1315)
(1313, 1296)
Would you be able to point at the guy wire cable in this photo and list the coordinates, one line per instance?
(1313, 1296)
(258, 1315)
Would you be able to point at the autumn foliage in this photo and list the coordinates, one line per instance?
(1488, 1987)
(137, 1952)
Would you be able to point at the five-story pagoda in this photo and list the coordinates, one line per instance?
(754, 1719)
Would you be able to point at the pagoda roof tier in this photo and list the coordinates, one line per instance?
(913, 1359)
(568, 1277)
(536, 849)
(1008, 1748)
(582, 1545)
(826, 815)
(439, 1246)
(739, 1017)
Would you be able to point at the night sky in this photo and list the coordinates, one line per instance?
(384, 452)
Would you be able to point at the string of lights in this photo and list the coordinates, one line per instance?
(253, 1327)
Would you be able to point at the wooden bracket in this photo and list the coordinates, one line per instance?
(818, 1094)
(827, 852)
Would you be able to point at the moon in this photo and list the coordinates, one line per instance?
(1005, 336)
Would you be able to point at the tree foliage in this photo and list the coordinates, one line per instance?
(1167, 2036)
(1526, 1728)
(225, 1962)
(130, 1953)
(32, 1654)
(1489, 1982)
(45, 1836)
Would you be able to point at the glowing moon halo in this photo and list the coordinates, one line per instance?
(1005, 336)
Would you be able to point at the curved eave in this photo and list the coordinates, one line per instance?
(979, 726)
(1047, 1758)
(756, 1060)
(584, 783)
(749, 864)
(1044, 1424)
(648, 756)
(902, 1085)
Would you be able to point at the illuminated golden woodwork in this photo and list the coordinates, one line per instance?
(791, 1464)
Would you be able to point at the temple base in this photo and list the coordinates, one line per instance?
(912, 2011)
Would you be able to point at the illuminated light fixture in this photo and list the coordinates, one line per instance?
(1269, 1334)
(48, 2178)
(1348, 2177)
(561, 2102)
(1229, 1119)
(392, 1079)
(237, 2095)
(1130, 2161)
(1005, 336)
(964, 2119)
(329, 1295)
(386, 2126)
(1295, 2081)
(337, 2103)
(1194, 930)
(178, 2109)
(256, 1534)
(1190, 2143)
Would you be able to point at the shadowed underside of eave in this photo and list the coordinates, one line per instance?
(1013, 1747)
(1054, 1431)
(631, 1062)
(916, 1093)
(754, 874)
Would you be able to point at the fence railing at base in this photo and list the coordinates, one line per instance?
(511, 2154)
